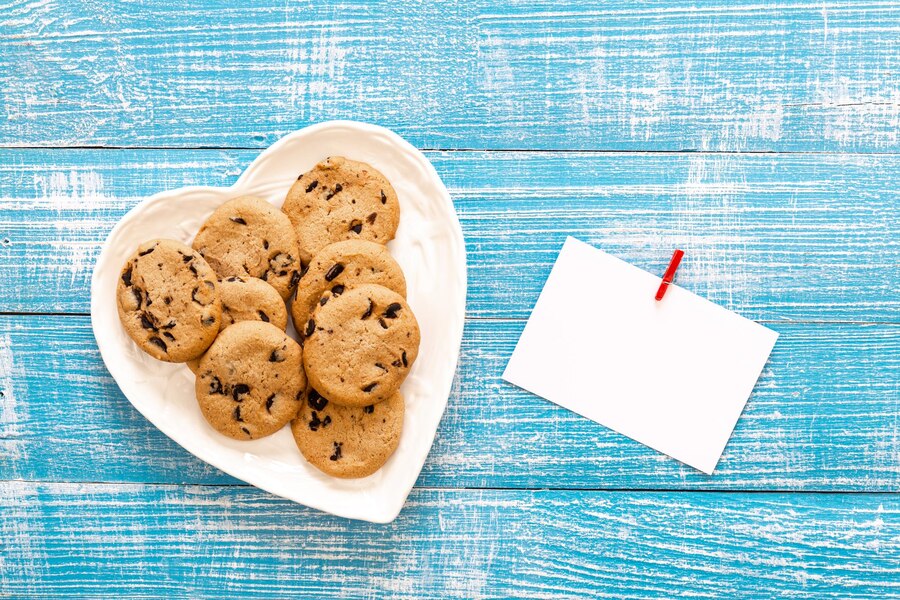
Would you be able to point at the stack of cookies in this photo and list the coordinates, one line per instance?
(220, 307)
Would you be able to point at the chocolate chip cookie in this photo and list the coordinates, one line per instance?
(168, 301)
(341, 199)
(339, 266)
(247, 236)
(248, 299)
(360, 345)
(250, 382)
(348, 441)
(251, 299)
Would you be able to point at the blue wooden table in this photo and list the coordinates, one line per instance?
(764, 139)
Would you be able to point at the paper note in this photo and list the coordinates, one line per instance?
(673, 374)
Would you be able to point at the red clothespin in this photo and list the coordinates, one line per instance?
(670, 274)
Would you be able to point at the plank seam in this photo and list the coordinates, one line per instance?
(574, 151)
(648, 490)
(488, 319)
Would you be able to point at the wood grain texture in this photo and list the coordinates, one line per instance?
(663, 75)
(65, 540)
(774, 237)
(823, 417)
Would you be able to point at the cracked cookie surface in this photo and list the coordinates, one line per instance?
(347, 441)
(360, 346)
(250, 382)
(341, 199)
(248, 237)
(168, 301)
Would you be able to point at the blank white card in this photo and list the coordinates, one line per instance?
(673, 374)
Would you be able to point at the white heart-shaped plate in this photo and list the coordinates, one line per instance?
(429, 246)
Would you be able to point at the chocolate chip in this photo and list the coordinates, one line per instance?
(334, 272)
(126, 276)
(208, 320)
(312, 186)
(265, 244)
(147, 299)
(235, 279)
(315, 400)
(403, 356)
(368, 312)
(187, 257)
(215, 386)
(356, 227)
(167, 300)
(138, 295)
(263, 316)
(247, 431)
(371, 218)
(194, 295)
(168, 325)
(370, 387)
(269, 402)
(391, 311)
(382, 322)
(281, 263)
(276, 356)
(238, 220)
(337, 189)
(337, 290)
(300, 176)
(295, 278)
(314, 422)
(237, 414)
(383, 199)
(337, 451)
(369, 409)
(158, 342)
(397, 363)
(239, 390)
(169, 336)
(146, 252)
(303, 272)
(310, 328)
(323, 300)
(147, 323)
(381, 366)
(193, 270)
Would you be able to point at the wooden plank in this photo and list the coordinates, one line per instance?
(775, 237)
(66, 540)
(797, 76)
(823, 417)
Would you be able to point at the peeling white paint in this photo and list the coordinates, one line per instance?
(12, 413)
(68, 195)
